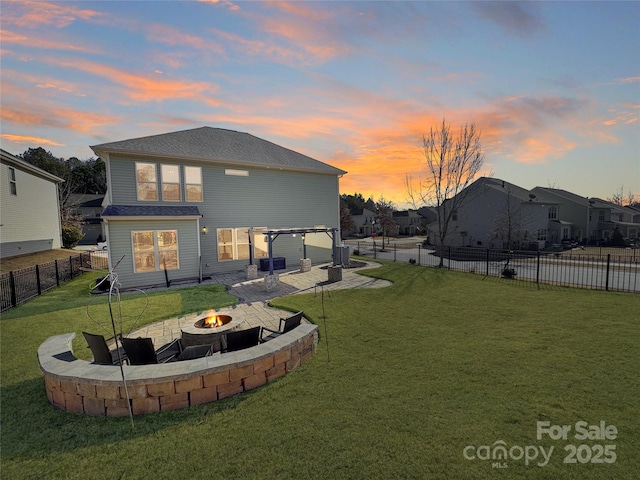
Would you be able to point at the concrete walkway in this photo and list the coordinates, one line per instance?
(253, 298)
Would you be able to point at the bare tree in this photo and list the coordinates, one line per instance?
(453, 160)
(620, 199)
(346, 220)
(384, 217)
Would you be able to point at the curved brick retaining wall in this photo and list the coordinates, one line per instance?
(78, 386)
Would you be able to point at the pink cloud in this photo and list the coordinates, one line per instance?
(33, 40)
(147, 88)
(28, 140)
(32, 14)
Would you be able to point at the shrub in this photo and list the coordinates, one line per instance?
(71, 235)
(508, 272)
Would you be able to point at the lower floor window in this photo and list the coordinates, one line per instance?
(542, 234)
(234, 244)
(155, 250)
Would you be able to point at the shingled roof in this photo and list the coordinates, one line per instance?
(151, 211)
(217, 145)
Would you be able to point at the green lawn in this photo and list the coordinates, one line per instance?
(413, 374)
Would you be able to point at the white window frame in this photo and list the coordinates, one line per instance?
(188, 182)
(164, 172)
(235, 243)
(140, 183)
(13, 186)
(553, 212)
(542, 234)
(156, 252)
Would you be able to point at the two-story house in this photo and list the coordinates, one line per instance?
(590, 220)
(494, 213)
(363, 222)
(30, 209)
(89, 207)
(195, 202)
(408, 222)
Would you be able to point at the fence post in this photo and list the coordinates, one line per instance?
(12, 287)
(38, 279)
(608, 264)
(70, 267)
(538, 269)
(419, 254)
(449, 262)
(57, 274)
(395, 248)
(487, 274)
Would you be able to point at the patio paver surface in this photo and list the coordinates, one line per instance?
(253, 298)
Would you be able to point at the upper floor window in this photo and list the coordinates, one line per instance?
(155, 250)
(146, 181)
(193, 183)
(170, 183)
(601, 215)
(12, 181)
(553, 213)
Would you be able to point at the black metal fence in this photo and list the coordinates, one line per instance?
(601, 269)
(18, 286)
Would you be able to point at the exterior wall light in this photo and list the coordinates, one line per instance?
(204, 230)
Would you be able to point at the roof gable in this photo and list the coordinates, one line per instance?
(218, 145)
(17, 162)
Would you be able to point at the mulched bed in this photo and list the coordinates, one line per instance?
(352, 264)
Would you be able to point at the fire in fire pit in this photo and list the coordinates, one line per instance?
(212, 320)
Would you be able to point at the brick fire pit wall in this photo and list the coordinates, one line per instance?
(78, 386)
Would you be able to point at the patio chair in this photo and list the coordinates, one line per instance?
(240, 339)
(286, 325)
(101, 353)
(195, 351)
(140, 351)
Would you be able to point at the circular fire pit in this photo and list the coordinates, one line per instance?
(213, 321)
(208, 329)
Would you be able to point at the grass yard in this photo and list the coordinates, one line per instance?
(415, 375)
(31, 259)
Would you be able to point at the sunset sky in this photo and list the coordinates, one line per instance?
(554, 87)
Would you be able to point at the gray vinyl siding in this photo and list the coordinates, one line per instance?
(120, 244)
(269, 198)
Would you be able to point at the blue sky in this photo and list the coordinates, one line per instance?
(554, 87)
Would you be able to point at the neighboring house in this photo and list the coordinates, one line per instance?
(194, 202)
(89, 207)
(30, 211)
(499, 214)
(409, 222)
(429, 216)
(590, 219)
(363, 221)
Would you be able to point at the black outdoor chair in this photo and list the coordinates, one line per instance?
(195, 351)
(240, 339)
(140, 351)
(286, 325)
(101, 353)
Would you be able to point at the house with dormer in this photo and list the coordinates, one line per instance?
(192, 203)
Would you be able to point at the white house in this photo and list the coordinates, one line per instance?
(29, 208)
